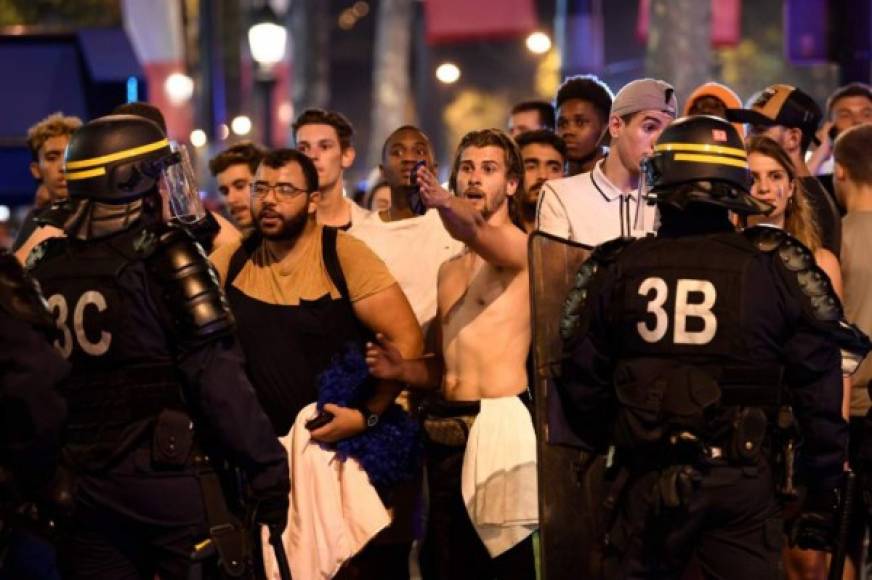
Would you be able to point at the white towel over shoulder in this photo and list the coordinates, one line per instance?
(334, 509)
(499, 481)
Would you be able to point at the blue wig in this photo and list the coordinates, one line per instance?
(390, 452)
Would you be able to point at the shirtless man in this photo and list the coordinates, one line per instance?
(481, 343)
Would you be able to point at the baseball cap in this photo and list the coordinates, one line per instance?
(645, 95)
(781, 105)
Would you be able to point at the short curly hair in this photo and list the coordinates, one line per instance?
(54, 125)
(321, 117)
(588, 88)
(245, 152)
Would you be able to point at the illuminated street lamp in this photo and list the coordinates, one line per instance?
(538, 43)
(267, 39)
(447, 73)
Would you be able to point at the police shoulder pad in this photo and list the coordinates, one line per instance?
(20, 296)
(573, 321)
(190, 285)
(45, 250)
(798, 263)
(609, 251)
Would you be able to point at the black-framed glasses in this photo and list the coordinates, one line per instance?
(284, 191)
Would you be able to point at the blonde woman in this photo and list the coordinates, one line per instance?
(775, 183)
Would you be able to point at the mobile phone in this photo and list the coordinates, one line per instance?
(319, 421)
(833, 133)
(415, 203)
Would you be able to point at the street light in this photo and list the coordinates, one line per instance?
(267, 39)
(538, 43)
(447, 73)
(179, 88)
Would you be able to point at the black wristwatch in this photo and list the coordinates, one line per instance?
(370, 419)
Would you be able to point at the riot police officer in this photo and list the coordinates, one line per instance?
(157, 392)
(680, 352)
(31, 413)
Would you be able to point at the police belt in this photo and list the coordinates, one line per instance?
(671, 413)
(100, 405)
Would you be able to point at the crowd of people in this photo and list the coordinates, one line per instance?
(356, 374)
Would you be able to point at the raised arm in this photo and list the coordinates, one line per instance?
(500, 244)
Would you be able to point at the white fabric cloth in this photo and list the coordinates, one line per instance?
(498, 481)
(589, 209)
(412, 249)
(334, 508)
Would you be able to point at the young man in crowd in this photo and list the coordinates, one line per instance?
(46, 141)
(531, 116)
(482, 336)
(847, 107)
(302, 293)
(408, 237)
(604, 203)
(791, 117)
(544, 155)
(234, 170)
(325, 138)
(583, 103)
(852, 178)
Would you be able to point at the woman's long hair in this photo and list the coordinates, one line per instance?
(799, 220)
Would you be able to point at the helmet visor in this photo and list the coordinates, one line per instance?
(178, 186)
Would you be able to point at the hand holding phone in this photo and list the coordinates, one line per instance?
(415, 203)
(319, 421)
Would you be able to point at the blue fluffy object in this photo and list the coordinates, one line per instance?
(388, 452)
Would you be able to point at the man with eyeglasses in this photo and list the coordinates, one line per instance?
(301, 294)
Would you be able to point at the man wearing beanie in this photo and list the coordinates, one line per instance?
(600, 205)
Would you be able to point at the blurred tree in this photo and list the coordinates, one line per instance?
(472, 110)
(310, 26)
(60, 13)
(679, 44)
(390, 75)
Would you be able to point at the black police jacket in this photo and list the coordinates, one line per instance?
(144, 322)
(719, 300)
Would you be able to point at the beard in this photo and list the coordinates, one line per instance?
(290, 227)
(491, 205)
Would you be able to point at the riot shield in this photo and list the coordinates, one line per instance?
(570, 479)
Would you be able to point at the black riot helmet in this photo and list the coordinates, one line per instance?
(701, 159)
(115, 159)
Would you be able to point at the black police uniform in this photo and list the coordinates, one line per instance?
(677, 347)
(31, 414)
(146, 327)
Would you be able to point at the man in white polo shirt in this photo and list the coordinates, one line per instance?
(600, 205)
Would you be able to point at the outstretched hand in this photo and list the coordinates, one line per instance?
(432, 192)
(384, 359)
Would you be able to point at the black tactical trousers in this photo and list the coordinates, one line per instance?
(135, 522)
(731, 525)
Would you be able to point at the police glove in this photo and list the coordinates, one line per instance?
(272, 510)
(815, 528)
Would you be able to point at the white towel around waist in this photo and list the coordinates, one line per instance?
(499, 482)
(334, 508)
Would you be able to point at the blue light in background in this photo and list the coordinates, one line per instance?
(132, 89)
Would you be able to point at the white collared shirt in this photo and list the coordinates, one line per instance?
(589, 209)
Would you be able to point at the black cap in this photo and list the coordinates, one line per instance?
(781, 105)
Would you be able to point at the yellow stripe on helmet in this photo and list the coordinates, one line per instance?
(717, 159)
(117, 156)
(76, 175)
(703, 148)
